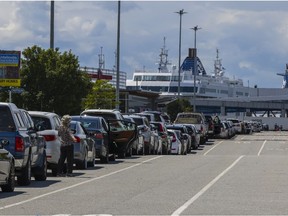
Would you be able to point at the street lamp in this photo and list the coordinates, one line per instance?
(195, 68)
(118, 59)
(181, 12)
(52, 25)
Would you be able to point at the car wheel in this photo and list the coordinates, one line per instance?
(92, 162)
(112, 157)
(25, 177)
(121, 153)
(54, 171)
(10, 186)
(42, 176)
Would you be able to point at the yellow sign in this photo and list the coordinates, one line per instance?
(10, 82)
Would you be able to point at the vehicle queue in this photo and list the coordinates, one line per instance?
(100, 134)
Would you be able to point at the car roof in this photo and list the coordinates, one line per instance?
(86, 117)
(41, 113)
(100, 110)
(11, 105)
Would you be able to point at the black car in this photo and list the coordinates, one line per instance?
(98, 128)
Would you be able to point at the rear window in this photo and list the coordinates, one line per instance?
(6, 120)
(41, 123)
(138, 121)
(106, 116)
(189, 118)
(91, 124)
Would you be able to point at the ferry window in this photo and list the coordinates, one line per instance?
(210, 90)
(137, 78)
(224, 92)
(175, 78)
(239, 93)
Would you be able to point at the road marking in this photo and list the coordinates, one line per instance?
(204, 189)
(78, 184)
(213, 147)
(261, 148)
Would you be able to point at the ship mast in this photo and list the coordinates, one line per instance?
(218, 69)
(163, 61)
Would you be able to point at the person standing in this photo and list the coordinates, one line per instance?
(67, 148)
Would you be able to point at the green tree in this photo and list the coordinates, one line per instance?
(52, 81)
(101, 96)
(177, 106)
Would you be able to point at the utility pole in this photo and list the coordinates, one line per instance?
(52, 25)
(118, 63)
(181, 12)
(195, 68)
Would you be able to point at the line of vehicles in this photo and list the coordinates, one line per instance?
(30, 145)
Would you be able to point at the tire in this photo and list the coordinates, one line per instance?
(104, 159)
(25, 177)
(121, 154)
(112, 157)
(54, 171)
(10, 186)
(84, 164)
(92, 163)
(42, 176)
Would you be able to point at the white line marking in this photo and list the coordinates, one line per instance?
(213, 147)
(204, 189)
(261, 148)
(78, 184)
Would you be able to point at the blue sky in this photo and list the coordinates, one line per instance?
(252, 36)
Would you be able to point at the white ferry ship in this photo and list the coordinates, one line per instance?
(165, 81)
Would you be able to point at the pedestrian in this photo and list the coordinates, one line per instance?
(67, 148)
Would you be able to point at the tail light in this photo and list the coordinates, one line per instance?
(49, 137)
(19, 144)
(161, 129)
(201, 129)
(174, 138)
(98, 135)
(144, 129)
(77, 139)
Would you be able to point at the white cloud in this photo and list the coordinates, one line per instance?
(251, 36)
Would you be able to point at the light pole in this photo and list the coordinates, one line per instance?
(52, 25)
(118, 59)
(195, 68)
(181, 12)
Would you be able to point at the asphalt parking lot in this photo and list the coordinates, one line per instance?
(246, 175)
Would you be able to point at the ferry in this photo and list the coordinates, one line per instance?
(164, 80)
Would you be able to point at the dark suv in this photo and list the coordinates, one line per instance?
(121, 136)
(98, 128)
(28, 148)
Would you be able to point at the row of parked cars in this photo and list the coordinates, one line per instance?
(30, 145)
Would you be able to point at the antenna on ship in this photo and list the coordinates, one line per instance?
(285, 77)
(101, 60)
(163, 62)
(218, 69)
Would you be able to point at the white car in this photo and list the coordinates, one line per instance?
(47, 124)
(178, 145)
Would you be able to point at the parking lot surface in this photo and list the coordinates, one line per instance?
(246, 175)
